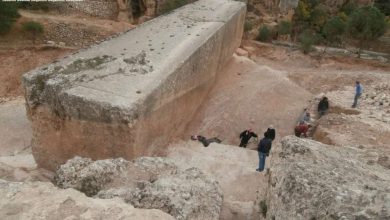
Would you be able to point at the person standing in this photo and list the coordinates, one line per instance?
(323, 106)
(263, 149)
(245, 136)
(270, 133)
(358, 93)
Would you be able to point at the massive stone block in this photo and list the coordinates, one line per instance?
(128, 96)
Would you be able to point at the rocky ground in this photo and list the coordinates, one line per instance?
(344, 177)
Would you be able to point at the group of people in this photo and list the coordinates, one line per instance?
(264, 145)
(304, 124)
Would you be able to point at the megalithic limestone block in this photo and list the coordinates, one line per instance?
(130, 95)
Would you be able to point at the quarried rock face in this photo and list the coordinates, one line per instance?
(39, 200)
(129, 96)
(147, 182)
(310, 180)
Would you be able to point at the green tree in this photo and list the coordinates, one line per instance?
(33, 29)
(264, 34)
(349, 6)
(8, 16)
(383, 6)
(307, 39)
(318, 17)
(248, 25)
(366, 24)
(333, 31)
(284, 28)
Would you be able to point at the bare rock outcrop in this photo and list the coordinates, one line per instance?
(148, 182)
(39, 200)
(90, 177)
(310, 180)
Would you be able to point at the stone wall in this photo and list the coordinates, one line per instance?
(96, 8)
(129, 96)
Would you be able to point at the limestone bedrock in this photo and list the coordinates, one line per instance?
(130, 95)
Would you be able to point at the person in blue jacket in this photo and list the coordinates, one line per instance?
(358, 93)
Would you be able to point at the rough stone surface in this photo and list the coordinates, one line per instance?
(152, 183)
(310, 180)
(187, 195)
(38, 200)
(136, 91)
(90, 176)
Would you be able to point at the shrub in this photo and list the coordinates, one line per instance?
(307, 39)
(348, 7)
(383, 6)
(264, 34)
(32, 28)
(263, 208)
(319, 17)
(171, 5)
(248, 25)
(366, 24)
(8, 16)
(284, 28)
(334, 30)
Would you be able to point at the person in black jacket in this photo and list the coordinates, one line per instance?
(206, 142)
(263, 149)
(245, 136)
(270, 133)
(323, 106)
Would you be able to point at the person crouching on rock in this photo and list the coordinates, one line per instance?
(263, 149)
(245, 136)
(301, 129)
(206, 142)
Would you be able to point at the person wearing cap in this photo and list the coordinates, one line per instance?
(245, 136)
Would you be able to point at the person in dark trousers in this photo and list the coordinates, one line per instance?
(270, 133)
(323, 106)
(358, 93)
(245, 136)
(206, 142)
(263, 149)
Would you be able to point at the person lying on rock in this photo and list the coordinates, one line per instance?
(301, 129)
(206, 142)
(270, 133)
(245, 136)
(263, 149)
(323, 106)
